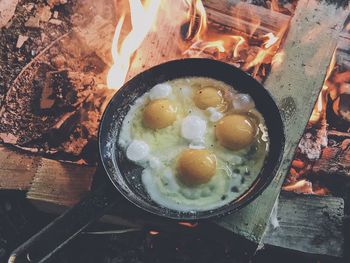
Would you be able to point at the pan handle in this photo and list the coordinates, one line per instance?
(42, 246)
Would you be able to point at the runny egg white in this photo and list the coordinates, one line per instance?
(201, 143)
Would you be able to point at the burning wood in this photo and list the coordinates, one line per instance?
(331, 113)
(246, 44)
(20, 41)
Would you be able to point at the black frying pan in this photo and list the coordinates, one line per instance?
(119, 170)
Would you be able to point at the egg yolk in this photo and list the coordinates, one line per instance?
(159, 114)
(235, 131)
(196, 167)
(208, 97)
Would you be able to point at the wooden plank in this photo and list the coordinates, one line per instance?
(245, 19)
(320, 236)
(343, 50)
(60, 183)
(295, 85)
(48, 180)
(17, 170)
(309, 224)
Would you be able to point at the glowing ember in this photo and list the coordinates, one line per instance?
(188, 224)
(142, 18)
(302, 186)
(153, 232)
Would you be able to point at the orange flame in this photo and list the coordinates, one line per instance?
(221, 45)
(200, 46)
(320, 106)
(265, 54)
(196, 11)
(142, 18)
(240, 41)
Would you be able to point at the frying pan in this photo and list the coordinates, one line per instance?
(42, 246)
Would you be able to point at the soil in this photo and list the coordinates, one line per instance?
(50, 96)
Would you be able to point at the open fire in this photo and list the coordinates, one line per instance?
(330, 116)
(251, 50)
(142, 19)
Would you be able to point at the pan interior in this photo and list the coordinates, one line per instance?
(126, 176)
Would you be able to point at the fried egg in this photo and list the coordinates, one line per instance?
(201, 143)
(159, 114)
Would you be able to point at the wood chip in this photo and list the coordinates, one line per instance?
(45, 101)
(8, 138)
(20, 41)
(56, 2)
(7, 10)
(33, 22)
(29, 7)
(55, 21)
(44, 13)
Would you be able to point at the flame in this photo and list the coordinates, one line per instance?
(197, 17)
(278, 59)
(240, 41)
(200, 46)
(265, 54)
(219, 45)
(320, 106)
(142, 19)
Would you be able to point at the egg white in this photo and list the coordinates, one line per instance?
(193, 128)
